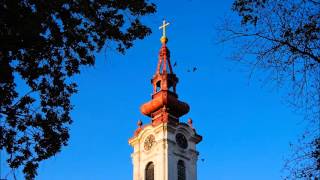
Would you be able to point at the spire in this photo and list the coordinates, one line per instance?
(164, 106)
(164, 54)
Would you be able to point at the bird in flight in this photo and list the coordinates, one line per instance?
(194, 69)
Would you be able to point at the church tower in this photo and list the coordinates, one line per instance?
(165, 148)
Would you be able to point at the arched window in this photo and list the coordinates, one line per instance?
(150, 171)
(158, 86)
(181, 170)
(170, 86)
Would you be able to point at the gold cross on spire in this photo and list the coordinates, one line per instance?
(163, 27)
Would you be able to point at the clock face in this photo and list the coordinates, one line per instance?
(181, 141)
(149, 142)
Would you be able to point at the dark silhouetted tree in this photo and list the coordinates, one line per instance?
(280, 40)
(43, 43)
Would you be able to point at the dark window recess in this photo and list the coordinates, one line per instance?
(150, 171)
(171, 87)
(158, 86)
(181, 170)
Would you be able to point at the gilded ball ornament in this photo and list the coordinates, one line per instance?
(164, 40)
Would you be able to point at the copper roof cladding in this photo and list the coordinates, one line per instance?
(164, 106)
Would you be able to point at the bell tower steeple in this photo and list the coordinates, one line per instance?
(165, 148)
(164, 106)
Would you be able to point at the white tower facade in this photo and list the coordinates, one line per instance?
(171, 150)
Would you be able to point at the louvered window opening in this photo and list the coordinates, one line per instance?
(150, 171)
(181, 170)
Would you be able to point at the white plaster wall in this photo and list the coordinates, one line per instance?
(165, 154)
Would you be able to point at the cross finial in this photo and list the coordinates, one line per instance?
(163, 27)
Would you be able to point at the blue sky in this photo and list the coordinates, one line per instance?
(246, 128)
